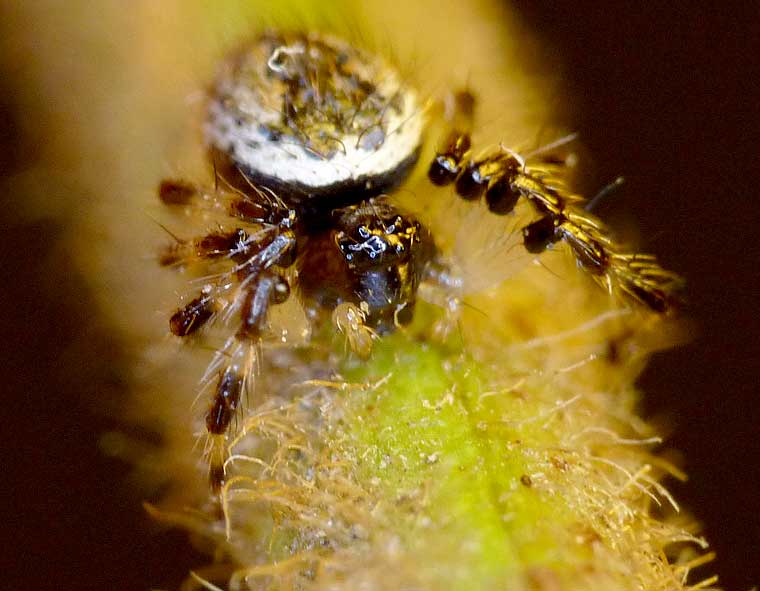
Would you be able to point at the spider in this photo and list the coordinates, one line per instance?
(310, 135)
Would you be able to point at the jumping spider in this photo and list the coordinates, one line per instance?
(309, 135)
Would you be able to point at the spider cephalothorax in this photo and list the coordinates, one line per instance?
(373, 256)
(307, 133)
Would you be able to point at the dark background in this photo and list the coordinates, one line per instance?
(666, 94)
(666, 97)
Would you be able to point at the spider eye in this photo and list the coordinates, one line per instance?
(310, 116)
(374, 247)
(371, 235)
(370, 251)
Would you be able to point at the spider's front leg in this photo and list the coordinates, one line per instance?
(258, 292)
(247, 265)
(504, 177)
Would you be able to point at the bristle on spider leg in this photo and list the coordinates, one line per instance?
(193, 315)
(641, 278)
(223, 410)
(216, 245)
(218, 418)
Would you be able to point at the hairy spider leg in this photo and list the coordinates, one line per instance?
(504, 177)
(261, 290)
(255, 257)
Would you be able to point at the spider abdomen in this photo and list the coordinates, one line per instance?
(314, 119)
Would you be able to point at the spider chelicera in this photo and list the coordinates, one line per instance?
(309, 135)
